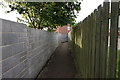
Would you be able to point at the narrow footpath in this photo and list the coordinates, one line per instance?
(61, 64)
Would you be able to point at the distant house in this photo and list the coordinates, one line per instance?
(64, 29)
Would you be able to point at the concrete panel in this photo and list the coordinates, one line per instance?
(1, 39)
(6, 26)
(6, 51)
(17, 48)
(16, 70)
(0, 69)
(9, 38)
(8, 74)
(0, 53)
(9, 63)
(17, 27)
(24, 51)
(0, 25)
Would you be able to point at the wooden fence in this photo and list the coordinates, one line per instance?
(89, 43)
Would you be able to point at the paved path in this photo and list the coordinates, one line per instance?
(61, 64)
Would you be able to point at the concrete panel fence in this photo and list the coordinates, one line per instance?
(24, 51)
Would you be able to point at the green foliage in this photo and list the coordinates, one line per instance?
(46, 14)
(118, 64)
(75, 25)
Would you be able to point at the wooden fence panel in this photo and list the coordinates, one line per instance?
(91, 43)
(113, 40)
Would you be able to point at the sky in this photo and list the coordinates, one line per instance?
(87, 7)
(8, 16)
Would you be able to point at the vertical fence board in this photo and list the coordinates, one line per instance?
(101, 45)
(91, 39)
(87, 31)
(95, 35)
(98, 30)
(87, 35)
(106, 30)
(104, 38)
(113, 39)
(84, 50)
(89, 46)
(93, 43)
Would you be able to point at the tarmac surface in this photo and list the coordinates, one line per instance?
(61, 65)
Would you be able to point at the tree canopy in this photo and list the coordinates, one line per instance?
(46, 14)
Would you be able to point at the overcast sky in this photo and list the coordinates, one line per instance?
(87, 7)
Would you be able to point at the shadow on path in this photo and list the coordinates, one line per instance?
(61, 64)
